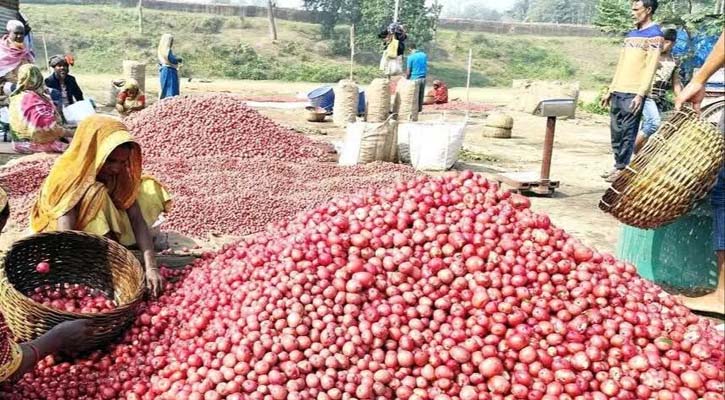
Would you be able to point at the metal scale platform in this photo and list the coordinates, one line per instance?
(541, 183)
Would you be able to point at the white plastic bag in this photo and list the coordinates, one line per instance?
(78, 111)
(431, 146)
(367, 142)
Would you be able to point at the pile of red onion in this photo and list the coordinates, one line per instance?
(436, 288)
(230, 170)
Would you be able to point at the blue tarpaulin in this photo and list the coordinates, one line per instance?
(693, 52)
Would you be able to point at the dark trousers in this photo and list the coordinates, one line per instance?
(421, 92)
(624, 126)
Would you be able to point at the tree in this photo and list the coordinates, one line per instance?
(372, 16)
(471, 9)
(520, 10)
(692, 15)
(613, 16)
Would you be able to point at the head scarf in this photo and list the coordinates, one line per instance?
(73, 176)
(57, 60)
(30, 78)
(130, 84)
(164, 47)
(14, 25)
(13, 54)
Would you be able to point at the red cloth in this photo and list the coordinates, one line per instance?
(440, 94)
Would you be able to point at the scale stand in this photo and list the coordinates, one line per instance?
(529, 181)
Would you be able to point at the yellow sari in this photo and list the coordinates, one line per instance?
(101, 207)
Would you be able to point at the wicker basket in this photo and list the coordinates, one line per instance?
(677, 168)
(75, 258)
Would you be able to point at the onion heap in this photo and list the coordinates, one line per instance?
(436, 288)
(230, 170)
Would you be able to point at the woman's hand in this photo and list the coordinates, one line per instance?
(154, 281)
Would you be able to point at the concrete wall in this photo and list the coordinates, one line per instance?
(515, 28)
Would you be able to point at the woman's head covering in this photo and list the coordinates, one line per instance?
(14, 26)
(130, 84)
(10, 355)
(164, 47)
(73, 175)
(30, 78)
(57, 60)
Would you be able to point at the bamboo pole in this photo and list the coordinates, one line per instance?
(352, 50)
(45, 48)
(468, 81)
(140, 17)
(396, 11)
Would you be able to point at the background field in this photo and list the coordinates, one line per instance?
(234, 48)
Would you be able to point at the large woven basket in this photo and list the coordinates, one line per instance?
(75, 258)
(677, 168)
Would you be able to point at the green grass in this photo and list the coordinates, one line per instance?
(230, 47)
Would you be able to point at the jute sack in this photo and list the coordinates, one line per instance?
(366, 142)
(135, 70)
(406, 101)
(346, 103)
(500, 121)
(378, 98)
(499, 133)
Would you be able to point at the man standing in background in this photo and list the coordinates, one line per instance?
(632, 81)
(417, 71)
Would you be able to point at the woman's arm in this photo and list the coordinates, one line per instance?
(146, 245)
(68, 221)
(68, 336)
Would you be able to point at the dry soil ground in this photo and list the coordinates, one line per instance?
(580, 152)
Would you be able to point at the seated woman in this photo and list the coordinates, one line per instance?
(96, 186)
(35, 124)
(131, 98)
(437, 95)
(14, 53)
(17, 359)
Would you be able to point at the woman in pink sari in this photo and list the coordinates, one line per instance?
(13, 54)
(35, 124)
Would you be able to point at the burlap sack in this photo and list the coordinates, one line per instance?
(346, 103)
(406, 101)
(378, 98)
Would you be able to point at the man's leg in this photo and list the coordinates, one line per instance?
(421, 93)
(616, 128)
(630, 122)
(651, 120)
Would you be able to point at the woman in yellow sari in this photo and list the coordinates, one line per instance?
(96, 186)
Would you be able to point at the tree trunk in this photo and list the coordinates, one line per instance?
(272, 25)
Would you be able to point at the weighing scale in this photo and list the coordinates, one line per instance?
(529, 181)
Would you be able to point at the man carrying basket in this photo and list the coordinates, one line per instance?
(695, 93)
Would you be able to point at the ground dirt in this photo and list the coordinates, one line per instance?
(581, 151)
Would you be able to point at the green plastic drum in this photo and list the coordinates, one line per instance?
(679, 257)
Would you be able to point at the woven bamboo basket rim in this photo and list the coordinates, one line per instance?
(14, 302)
(675, 170)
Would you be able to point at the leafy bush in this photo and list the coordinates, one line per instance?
(208, 25)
